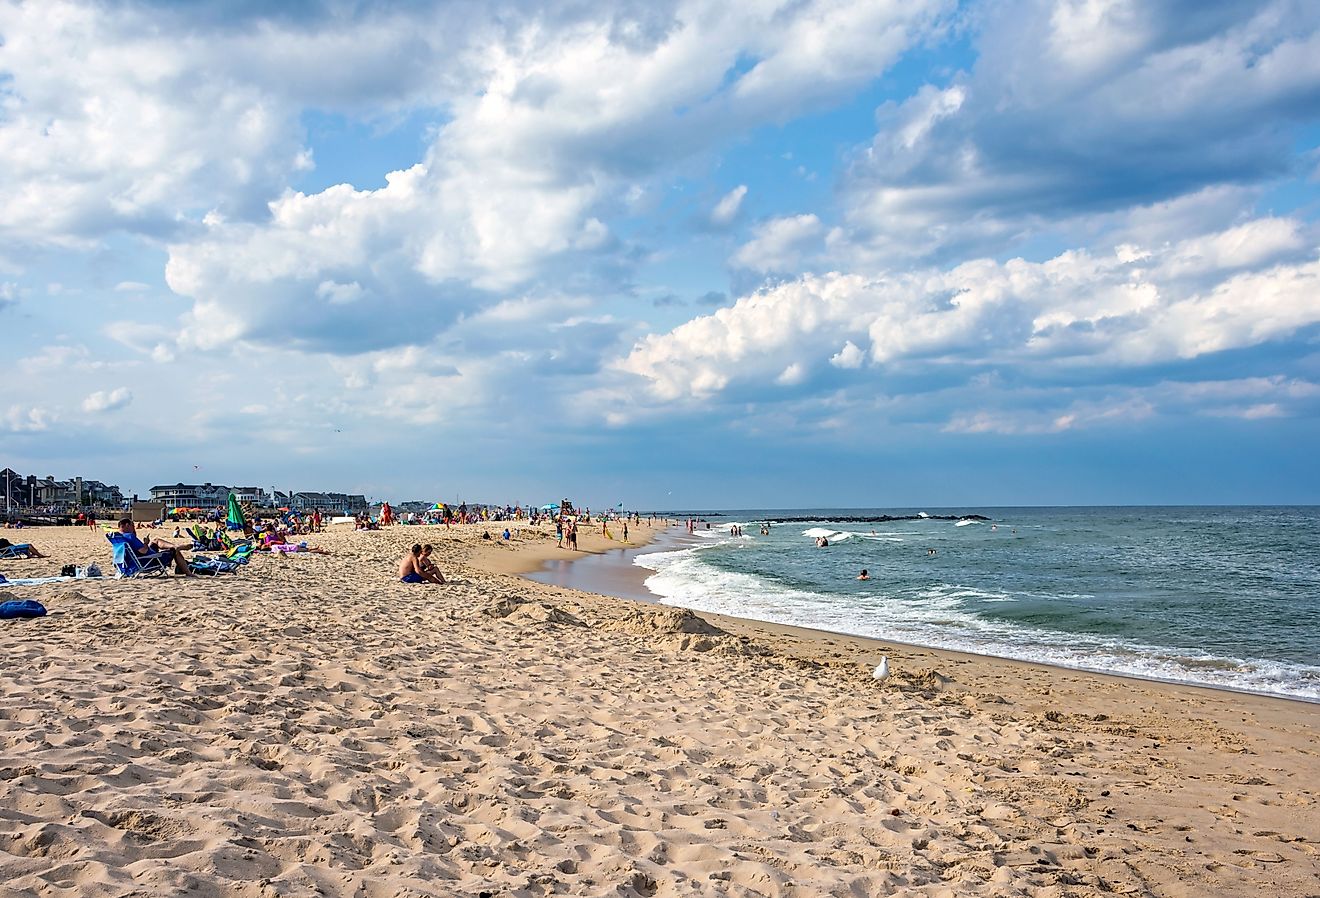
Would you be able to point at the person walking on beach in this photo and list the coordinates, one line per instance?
(625, 531)
(559, 533)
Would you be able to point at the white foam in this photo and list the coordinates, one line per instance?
(964, 522)
(936, 617)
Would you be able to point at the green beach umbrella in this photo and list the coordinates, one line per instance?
(235, 519)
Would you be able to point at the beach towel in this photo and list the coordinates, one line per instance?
(201, 564)
(33, 581)
(19, 608)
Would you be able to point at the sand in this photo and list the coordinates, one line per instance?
(310, 726)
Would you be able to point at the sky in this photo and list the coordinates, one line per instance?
(687, 255)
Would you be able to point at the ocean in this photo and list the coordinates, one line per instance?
(1225, 597)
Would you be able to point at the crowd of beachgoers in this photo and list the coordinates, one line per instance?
(165, 544)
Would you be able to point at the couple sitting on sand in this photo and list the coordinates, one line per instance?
(417, 566)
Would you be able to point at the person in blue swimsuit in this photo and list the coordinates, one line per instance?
(409, 571)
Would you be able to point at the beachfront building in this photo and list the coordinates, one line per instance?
(190, 495)
(337, 503)
(102, 495)
(48, 494)
(249, 495)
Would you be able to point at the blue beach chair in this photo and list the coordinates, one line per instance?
(131, 564)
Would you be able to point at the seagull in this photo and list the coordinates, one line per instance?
(881, 672)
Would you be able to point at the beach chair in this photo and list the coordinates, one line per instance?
(16, 550)
(130, 563)
(203, 541)
(241, 552)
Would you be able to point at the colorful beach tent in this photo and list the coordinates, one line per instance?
(234, 520)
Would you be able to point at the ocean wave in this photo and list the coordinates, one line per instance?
(938, 616)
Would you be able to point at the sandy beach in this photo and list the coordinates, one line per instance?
(310, 726)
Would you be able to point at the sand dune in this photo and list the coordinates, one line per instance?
(312, 727)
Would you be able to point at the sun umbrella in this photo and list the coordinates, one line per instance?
(234, 520)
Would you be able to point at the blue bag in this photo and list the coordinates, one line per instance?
(21, 608)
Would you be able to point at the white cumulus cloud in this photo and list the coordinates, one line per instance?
(1105, 309)
(107, 400)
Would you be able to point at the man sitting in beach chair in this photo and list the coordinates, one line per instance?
(132, 556)
(18, 550)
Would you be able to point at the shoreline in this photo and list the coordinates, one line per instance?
(633, 578)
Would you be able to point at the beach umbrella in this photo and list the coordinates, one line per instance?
(234, 520)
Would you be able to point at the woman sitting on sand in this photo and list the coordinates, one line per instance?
(427, 567)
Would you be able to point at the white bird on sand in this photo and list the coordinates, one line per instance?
(882, 670)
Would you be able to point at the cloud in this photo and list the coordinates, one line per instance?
(726, 210)
(1080, 108)
(794, 374)
(26, 419)
(1037, 411)
(779, 244)
(1135, 307)
(158, 114)
(850, 356)
(547, 130)
(339, 294)
(8, 294)
(1077, 416)
(107, 401)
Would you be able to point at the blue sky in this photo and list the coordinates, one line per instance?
(680, 255)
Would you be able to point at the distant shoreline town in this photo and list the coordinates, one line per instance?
(26, 495)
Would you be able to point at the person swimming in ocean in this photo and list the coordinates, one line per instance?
(864, 575)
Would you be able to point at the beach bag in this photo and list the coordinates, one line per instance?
(21, 608)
